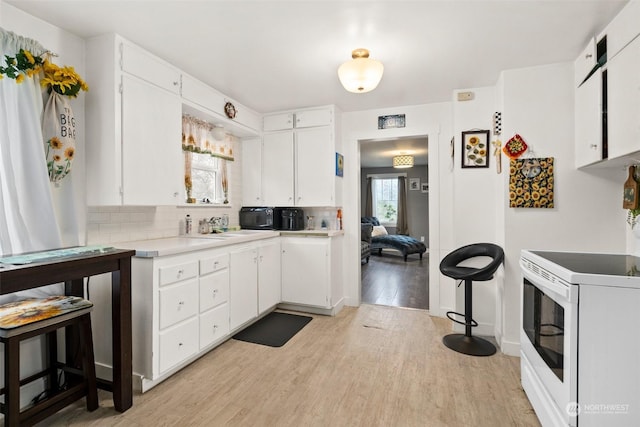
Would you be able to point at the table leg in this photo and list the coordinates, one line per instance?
(122, 341)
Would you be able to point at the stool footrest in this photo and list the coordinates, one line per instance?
(450, 315)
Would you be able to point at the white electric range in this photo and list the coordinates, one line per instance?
(580, 348)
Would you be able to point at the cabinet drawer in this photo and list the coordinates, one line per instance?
(140, 63)
(178, 303)
(278, 122)
(176, 273)
(209, 265)
(178, 344)
(214, 289)
(214, 325)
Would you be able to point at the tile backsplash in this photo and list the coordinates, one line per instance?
(111, 224)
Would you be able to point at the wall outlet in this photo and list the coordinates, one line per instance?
(422, 238)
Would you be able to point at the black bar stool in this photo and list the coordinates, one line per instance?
(44, 316)
(466, 343)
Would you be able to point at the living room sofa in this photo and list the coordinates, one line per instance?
(365, 242)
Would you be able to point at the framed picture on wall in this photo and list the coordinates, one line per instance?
(424, 187)
(414, 183)
(475, 149)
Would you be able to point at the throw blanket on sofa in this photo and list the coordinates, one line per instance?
(407, 245)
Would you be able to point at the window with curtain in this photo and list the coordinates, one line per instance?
(385, 200)
(207, 149)
(205, 178)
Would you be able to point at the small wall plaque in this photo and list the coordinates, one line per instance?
(388, 122)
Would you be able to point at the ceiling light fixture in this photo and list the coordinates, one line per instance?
(403, 161)
(361, 74)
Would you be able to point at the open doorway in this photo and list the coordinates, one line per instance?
(388, 277)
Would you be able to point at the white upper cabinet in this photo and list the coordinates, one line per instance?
(278, 169)
(208, 104)
(588, 121)
(585, 62)
(315, 167)
(151, 152)
(252, 172)
(199, 93)
(299, 162)
(133, 126)
(314, 118)
(140, 63)
(278, 122)
(623, 28)
(624, 101)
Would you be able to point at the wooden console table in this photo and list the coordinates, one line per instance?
(72, 269)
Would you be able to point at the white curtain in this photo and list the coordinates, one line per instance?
(28, 219)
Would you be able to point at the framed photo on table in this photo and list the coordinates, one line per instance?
(475, 149)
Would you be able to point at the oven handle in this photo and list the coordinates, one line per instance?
(548, 286)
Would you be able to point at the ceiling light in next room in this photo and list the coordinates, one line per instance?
(361, 74)
(403, 161)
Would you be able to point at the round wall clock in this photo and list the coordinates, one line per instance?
(230, 110)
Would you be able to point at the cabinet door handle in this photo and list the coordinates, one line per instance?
(215, 292)
(180, 273)
(588, 55)
(175, 194)
(593, 146)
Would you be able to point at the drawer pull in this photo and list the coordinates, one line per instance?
(180, 272)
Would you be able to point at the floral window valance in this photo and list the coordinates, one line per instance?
(199, 136)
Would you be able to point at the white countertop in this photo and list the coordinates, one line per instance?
(194, 242)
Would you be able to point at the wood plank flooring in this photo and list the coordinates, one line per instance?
(388, 280)
(367, 366)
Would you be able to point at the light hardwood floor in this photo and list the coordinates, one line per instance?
(368, 366)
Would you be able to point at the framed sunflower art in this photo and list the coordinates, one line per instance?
(475, 149)
(531, 183)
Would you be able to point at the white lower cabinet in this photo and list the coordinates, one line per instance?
(312, 271)
(214, 325)
(180, 311)
(269, 275)
(254, 280)
(243, 280)
(178, 343)
(186, 304)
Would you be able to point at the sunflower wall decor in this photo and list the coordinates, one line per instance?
(531, 183)
(475, 149)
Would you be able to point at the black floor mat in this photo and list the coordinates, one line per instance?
(274, 330)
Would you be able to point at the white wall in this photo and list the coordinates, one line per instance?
(476, 203)
(434, 121)
(538, 105)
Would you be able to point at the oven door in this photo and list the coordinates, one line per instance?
(548, 340)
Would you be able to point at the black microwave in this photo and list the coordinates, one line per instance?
(260, 218)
